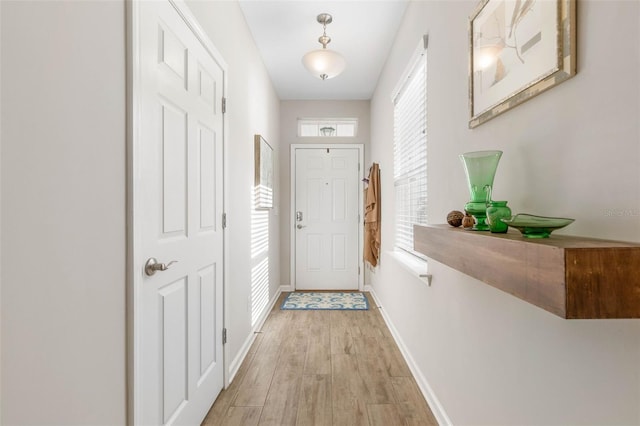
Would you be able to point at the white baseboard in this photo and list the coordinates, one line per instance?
(284, 288)
(244, 350)
(427, 391)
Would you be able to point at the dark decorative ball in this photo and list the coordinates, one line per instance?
(454, 218)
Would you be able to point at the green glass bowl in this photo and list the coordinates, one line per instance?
(532, 226)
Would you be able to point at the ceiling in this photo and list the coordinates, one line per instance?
(362, 31)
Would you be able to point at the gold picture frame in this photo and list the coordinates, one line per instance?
(517, 50)
(263, 174)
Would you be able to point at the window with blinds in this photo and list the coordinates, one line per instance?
(410, 153)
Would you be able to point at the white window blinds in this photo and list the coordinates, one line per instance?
(410, 154)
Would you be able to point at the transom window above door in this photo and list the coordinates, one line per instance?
(328, 127)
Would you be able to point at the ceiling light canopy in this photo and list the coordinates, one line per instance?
(324, 63)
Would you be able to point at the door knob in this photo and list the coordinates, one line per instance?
(300, 226)
(152, 266)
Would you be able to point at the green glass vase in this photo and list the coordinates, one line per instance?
(495, 211)
(480, 167)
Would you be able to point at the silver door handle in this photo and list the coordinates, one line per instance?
(300, 226)
(152, 266)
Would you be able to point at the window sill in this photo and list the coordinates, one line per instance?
(416, 266)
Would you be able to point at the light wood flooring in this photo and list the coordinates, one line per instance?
(322, 368)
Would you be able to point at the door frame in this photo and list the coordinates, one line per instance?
(133, 163)
(292, 215)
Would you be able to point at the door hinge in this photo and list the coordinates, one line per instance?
(358, 270)
(358, 166)
(224, 220)
(224, 105)
(224, 336)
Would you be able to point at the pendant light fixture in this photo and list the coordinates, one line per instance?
(324, 63)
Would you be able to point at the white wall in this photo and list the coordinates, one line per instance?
(0, 216)
(252, 108)
(573, 151)
(63, 213)
(63, 202)
(291, 111)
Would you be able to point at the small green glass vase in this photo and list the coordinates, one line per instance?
(495, 211)
(480, 168)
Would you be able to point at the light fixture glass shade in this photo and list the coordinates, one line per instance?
(324, 63)
(327, 131)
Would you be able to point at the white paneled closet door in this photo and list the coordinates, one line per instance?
(178, 201)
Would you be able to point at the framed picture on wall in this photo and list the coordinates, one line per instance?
(518, 49)
(263, 174)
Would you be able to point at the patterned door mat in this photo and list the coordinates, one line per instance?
(325, 301)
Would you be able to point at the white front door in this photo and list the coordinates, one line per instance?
(326, 218)
(177, 212)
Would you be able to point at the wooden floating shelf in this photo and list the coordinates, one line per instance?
(572, 277)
